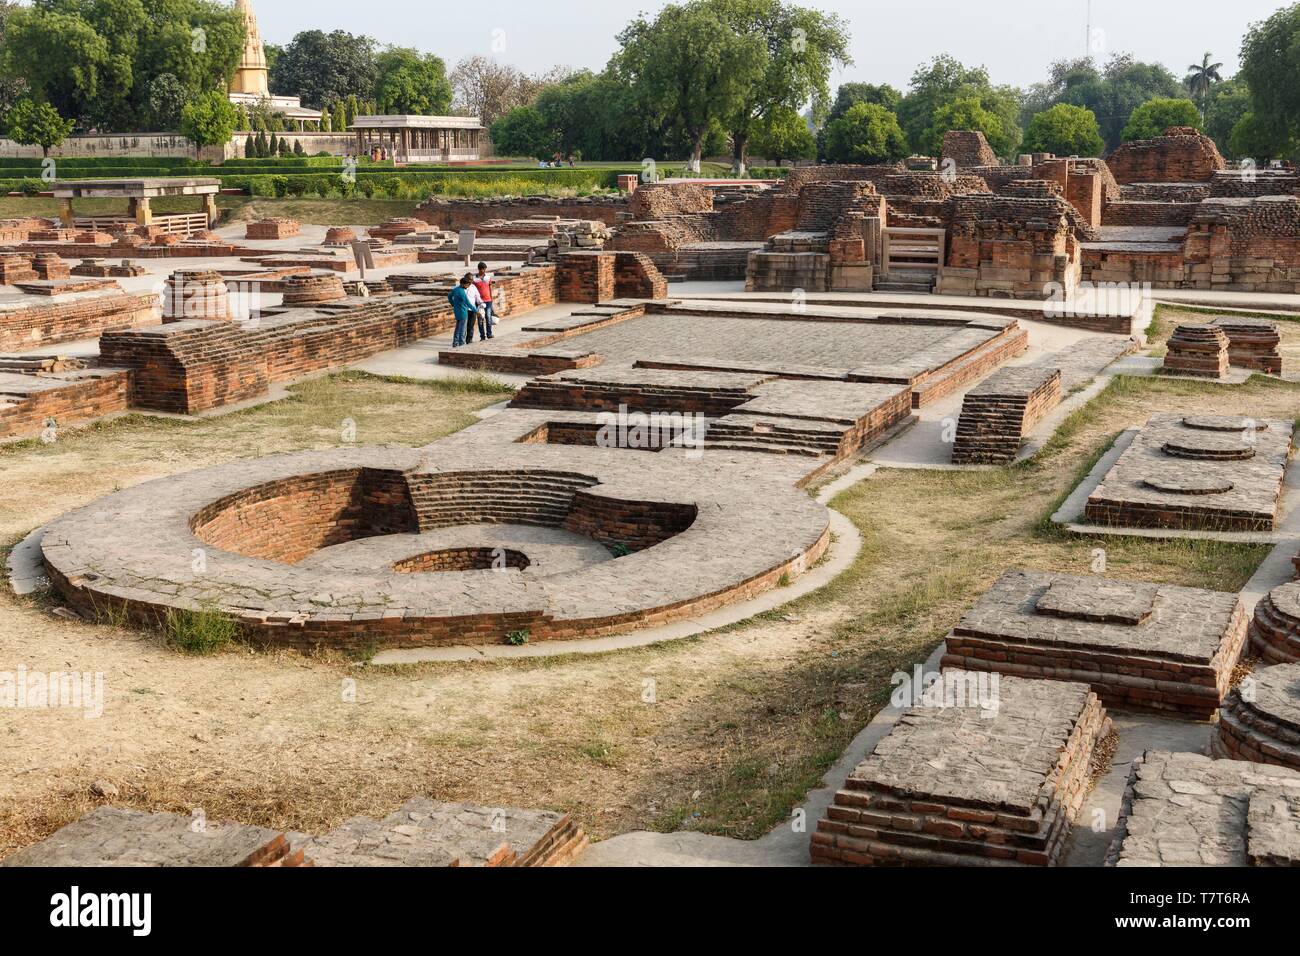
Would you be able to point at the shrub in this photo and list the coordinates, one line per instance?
(199, 632)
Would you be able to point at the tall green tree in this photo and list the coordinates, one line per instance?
(99, 61)
(1200, 78)
(966, 112)
(850, 94)
(1112, 92)
(38, 124)
(1064, 130)
(799, 48)
(687, 64)
(1228, 103)
(784, 134)
(523, 132)
(323, 68)
(942, 82)
(208, 120)
(412, 82)
(1270, 66)
(1153, 117)
(867, 133)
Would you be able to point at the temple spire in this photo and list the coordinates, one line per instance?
(251, 75)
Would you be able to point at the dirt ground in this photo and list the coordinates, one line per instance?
(742, 722)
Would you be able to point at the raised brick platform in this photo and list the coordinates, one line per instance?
(1208, 472)
(422, 832)
(1152, 647)
(419, 833)
(1184, 809)
(1275, 629)
(34, 322)
(997, 414)
(273, 229)
(1200, 350)
(116, 836)
(1260, 720)
(962, 786)
(1252, 343)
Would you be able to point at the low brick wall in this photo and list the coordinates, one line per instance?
(45, 323)
(30, 404)
(458, 214)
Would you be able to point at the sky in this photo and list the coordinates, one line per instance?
(1015, 39)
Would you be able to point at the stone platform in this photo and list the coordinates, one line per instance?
(1150, 647)
(423, 832)
(1199, 472)
(1183, 809)
(962, 786)
(931, 351)
(1260, 720)
(419, 833)
(115, 836)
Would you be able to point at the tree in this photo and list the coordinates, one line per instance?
(963, 113)
(208, 120)
(523, 132)
(1229, 102)
(866, 133)
(689, 64)
(1270, 67)
(1153, 117)
(1254, 139)
(166, 98)
(850, 94)
(326, 121)
(799, 48)
(97, 60)
(489, 90)
(250, 146)
(942, 82)
(412, 82)
(38, 124)
(339, 117)
(784, 134)
(1064, 130)
(323, 68)
(1111, 93)
(1200, 78)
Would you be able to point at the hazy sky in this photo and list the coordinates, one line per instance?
(1015, 39)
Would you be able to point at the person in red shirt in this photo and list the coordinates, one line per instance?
(483, 282)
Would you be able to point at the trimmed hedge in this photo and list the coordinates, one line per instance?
(121, 162)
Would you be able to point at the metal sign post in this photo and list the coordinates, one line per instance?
(361, 254)
(465, 245)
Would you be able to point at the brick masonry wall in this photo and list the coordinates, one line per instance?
(468, 213)
(1181, 155)
(190, 366)
(81, 398)
(38, 325)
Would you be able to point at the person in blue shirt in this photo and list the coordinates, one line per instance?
(463, 306)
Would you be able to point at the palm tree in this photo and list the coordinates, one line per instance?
(1200, 77)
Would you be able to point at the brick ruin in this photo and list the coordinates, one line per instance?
(1275, 629)
(998, 413)
(1184, 809)
(1261, 721)
(969, 786)
(1147, 647)
(1207, 472)
(1164, 211)
(421, 832)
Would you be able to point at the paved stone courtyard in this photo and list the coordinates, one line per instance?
(1217, 473)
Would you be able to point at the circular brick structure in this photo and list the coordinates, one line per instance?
(339, 236)
(1275, 630)
(1260, 719)
(315, 289)
(371, 547)
(195, 294)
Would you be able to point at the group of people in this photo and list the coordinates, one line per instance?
(471, 300)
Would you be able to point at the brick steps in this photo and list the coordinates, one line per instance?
(997, 414)
(1275, 629)
(1267, 729)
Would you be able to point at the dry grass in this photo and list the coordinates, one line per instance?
(743, 720)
